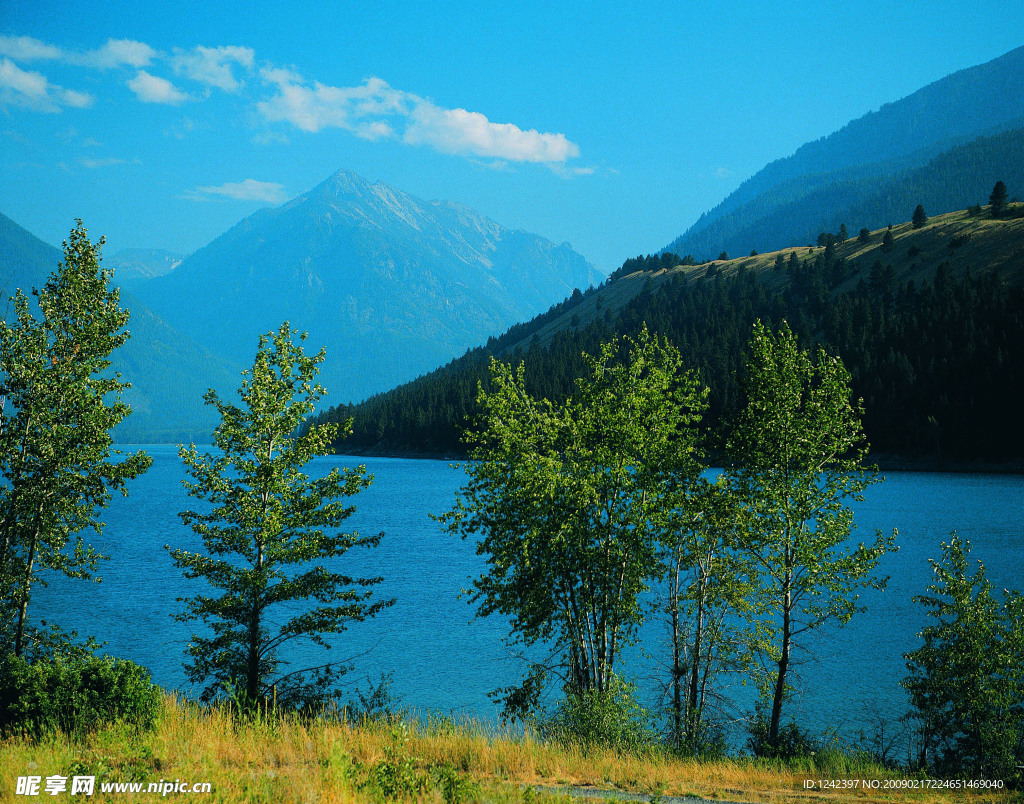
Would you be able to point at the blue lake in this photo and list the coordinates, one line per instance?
(444, 659)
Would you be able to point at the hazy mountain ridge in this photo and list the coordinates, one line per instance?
(796, 211)
(169, 371)
(983, 100)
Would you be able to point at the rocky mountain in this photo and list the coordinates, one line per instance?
(391, 285)
(853, 175)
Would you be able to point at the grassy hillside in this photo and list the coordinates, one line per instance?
(931, 327)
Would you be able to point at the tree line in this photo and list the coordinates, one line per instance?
(577, 505)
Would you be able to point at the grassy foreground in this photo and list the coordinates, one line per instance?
(283, 760)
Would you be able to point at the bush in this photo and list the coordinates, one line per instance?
(793, 742)
(74, 694)
(612, 718)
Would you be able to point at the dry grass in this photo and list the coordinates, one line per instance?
(284, 760)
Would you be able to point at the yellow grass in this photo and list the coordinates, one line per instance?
(284, 760)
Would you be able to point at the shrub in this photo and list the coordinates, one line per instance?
(793, 742)
(74, 694)
(611, 718)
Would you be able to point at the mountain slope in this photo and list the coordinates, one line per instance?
(391, 285)
(899, 137)
(169, 371)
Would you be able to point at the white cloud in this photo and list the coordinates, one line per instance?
(270, 138)
(92, 164)
(153, 89)
(458, 131)
(32, 90)
(375, 110)
(114, 53)
(213, 65)
(248, 190)
(25, 48)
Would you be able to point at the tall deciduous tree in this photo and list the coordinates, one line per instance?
(707, 602)
(966, 680)
(568, 501)
(797, 450)
(55, 447)
(267, 531)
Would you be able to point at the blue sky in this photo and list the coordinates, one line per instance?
(612, 126)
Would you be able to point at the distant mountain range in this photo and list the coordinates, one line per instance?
(391, 285)
(944, 146)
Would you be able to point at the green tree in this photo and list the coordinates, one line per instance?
(568, 501)
(919, 218)
(55, 446)
(864, 236)
(797, 449)
(708, 585)
(844, 234)
(267, 527)
(966, 680)
(998, 199)
(887, 241)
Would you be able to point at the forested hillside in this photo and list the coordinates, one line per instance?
(929, 321)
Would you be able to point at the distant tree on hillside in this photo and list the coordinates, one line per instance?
(844, 235)
(864, 236)
(887, 240)
(723, 256)
(920, 218)
(998, 199)
(780, 262)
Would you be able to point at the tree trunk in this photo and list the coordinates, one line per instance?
(252, 680)
(678, 670)
(692, 710)
(780, 682)
(26, 586)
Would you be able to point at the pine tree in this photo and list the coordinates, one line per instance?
(998, 199)
(920, 218)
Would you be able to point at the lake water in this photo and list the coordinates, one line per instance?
(444, 659)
